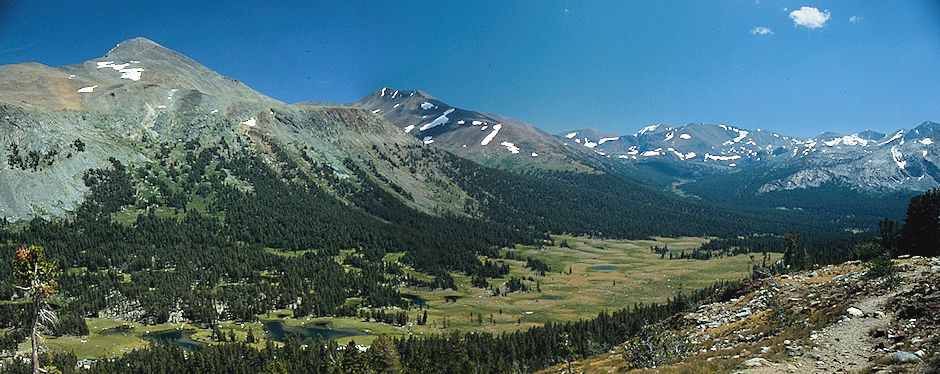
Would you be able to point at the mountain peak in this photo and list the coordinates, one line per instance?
(141, 48)
(388, 93)
(139, 41)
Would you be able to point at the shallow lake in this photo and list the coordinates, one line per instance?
(183, 338)
(414, 299)
(277, 330)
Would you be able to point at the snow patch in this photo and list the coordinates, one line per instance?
(250, 122)
(650, 153)
(214, 111)
(721, 158)
(461, 122)
(588, 143)
(409, 128)
(647, 129)
(427, 140)
(396, 105)
(537, 155)
(577, 141)
(477, 123)
(604, 140)
(571, 135)
(87, 89)
(511, 147)
(426, 105)
(899, 134)
(438, 121)
(489, 137)
(741, 135)
(670, 135)
(685, 136)
(847, 140)
(690, 155)
(926, 141)
(383, 91)
(132, 73)
(377, 110)
(896, 155)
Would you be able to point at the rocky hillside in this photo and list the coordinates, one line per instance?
(57, 122)
(490, 139)
(827, 320)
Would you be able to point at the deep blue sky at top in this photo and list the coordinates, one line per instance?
(616, 66)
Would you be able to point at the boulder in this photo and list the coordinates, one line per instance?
(758, 361)
(900, 357)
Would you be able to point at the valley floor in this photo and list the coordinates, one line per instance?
(586, 276)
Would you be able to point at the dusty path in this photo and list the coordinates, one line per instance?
(844, 346)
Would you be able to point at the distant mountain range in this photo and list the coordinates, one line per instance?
(190, 137)
(870, 161)
(142, 99)
(866, 161)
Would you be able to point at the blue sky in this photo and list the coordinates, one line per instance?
(616, 66)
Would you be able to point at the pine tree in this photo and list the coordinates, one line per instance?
(38, 277)
(921, 230)
(383, 356)
(251, 336)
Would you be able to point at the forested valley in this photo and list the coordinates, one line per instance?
(209, 225)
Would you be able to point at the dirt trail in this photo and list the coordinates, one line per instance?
(842, 347)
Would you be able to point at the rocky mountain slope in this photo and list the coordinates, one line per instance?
(490, 139)
(826, 320)
(57, 122)
(867, 161)
(158, 112)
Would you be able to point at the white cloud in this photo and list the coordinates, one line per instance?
(810, 17)
(786, 9)
(855, 19)
(761, 30)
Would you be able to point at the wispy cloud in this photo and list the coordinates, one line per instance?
(810, 17)
(17, 49)
(761, 30)
(855, 19)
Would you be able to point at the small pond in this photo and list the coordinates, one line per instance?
(603, 268)
(277, 330)
(183, 338)
(452, 298)
(414, 299)
(550, 297)
(123, 329)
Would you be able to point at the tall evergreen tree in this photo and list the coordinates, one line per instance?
(38, 282)
(921, 233)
